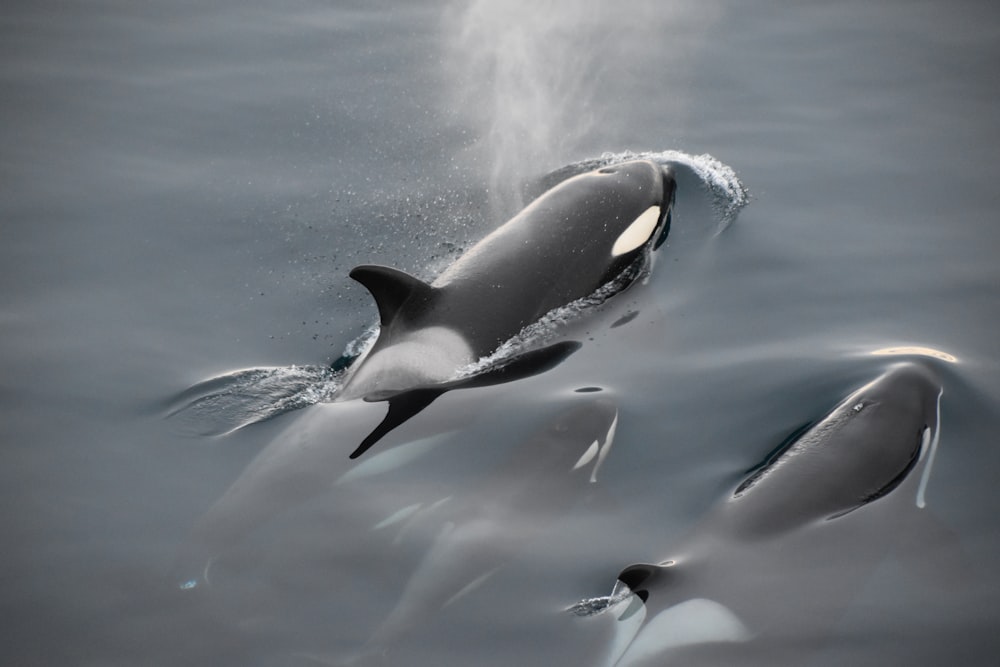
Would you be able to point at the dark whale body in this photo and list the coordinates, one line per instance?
(564, 246)
(779, 559)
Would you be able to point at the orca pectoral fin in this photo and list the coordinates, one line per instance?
(519, 367)
(407, 404)
(402, 407)
(390, 288)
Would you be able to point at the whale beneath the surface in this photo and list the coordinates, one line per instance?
(480, 531)
(764, 575)
(590, 231)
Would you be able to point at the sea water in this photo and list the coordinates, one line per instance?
(184, 188)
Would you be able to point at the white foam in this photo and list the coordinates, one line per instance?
(729, 194)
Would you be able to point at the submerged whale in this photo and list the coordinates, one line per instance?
(480, 531)
(589, 231)
(777, 561)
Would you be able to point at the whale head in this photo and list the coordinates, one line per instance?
(652, 224)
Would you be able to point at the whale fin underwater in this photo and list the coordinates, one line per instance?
(587, 233)
(812, 522)
(540, 480)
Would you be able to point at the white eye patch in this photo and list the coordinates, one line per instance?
(638, 232)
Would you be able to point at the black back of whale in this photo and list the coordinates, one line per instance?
(406, 404)
(861, 452)
(555, 251)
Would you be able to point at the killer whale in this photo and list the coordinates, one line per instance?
(782, 556)
(586, 232)
(566, 244)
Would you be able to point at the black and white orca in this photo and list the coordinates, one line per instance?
(782, 557)
(585, 233)
(575, 238)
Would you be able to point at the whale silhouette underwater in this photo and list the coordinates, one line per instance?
(773, 566)
(591, 233)
(498, 517)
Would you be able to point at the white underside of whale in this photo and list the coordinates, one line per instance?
(425, 356)
(694, 621)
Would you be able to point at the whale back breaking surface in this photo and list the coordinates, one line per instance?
(858, 453)
(575, 224)
(564, 246)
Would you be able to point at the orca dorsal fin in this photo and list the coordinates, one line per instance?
(391, 288)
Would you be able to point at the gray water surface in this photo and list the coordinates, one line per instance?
(185, 186)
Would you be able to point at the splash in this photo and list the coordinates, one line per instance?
(904, 350)
(231, 401)
(599, 605)
(235, 400)
(727, 192)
